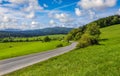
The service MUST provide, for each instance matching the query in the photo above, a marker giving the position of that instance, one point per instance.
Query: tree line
(45, 39)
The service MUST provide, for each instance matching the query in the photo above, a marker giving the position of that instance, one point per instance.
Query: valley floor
(15, 49)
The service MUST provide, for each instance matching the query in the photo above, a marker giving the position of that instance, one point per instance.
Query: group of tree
(107, 21)
(90, 36)
(12, 39)
(89, 33)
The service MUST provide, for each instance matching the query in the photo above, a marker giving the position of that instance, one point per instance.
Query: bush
(86, 40)
(46, 39)
(59, 45)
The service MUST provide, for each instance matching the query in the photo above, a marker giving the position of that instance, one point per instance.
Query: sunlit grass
(14, 49)
(98, 60)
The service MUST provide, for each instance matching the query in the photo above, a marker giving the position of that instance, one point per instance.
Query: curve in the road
(13, 64)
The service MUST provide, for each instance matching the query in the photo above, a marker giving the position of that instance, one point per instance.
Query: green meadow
(97, 60)
(14, 49)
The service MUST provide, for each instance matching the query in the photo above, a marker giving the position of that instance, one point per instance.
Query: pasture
(14, 49)
(97, 60)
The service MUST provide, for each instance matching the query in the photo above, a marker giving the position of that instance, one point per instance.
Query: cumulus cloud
(52, 22)
(62, 17)
(14, 13)
(6, 19)
(78, 12)
(92, 14)
(118, 11)
(31, 15)
(88, 4)
(17, 1)
(34, 23)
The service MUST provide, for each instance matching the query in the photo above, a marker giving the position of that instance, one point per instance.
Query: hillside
(77, 33)
(107, 21)
(31, 33)
(97, 60)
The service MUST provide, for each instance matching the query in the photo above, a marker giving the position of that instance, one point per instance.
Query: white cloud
(34, 23)
(10, 17)
(52, 22)
(92, 14)
(118, 11)
(45, 5)
(78, 12)
(18, 1)
(88, 4)
(6, 19)
(31, 15)
(63, 18)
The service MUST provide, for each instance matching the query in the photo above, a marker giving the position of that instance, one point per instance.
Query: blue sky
(37, 14)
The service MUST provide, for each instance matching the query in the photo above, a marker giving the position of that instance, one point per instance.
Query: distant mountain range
(31, 33)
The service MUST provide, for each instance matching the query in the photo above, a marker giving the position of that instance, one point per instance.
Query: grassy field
(98, 60)
(13, 49)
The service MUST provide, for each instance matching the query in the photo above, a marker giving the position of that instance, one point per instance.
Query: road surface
(13, 64)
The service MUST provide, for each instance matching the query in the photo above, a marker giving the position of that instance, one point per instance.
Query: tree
(27, 40)
(68, 37)
(85, 41)
(93, 30)
(46, 39)
(75, 34)
(90, 37)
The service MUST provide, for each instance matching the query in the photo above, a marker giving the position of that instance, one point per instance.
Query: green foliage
(90, 37)
(68, 37)
(46, 39)
(15, 49)
(93, 30)
(85, 41)
(108, 21)
(75, 34)
(59, 45)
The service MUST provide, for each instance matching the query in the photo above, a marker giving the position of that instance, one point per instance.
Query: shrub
(46, 39)
(85, 41)
(59, 45)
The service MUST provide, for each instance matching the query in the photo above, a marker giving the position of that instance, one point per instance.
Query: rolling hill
(97, 60)
(31, 33)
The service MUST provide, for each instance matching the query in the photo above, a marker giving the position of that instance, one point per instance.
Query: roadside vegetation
(97, 60)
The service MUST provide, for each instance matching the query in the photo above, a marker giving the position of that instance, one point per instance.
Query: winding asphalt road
(13, 64)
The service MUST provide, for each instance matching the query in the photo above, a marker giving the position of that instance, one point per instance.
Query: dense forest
(31, 33)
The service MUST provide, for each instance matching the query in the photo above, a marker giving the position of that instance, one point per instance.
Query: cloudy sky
(37, 14)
